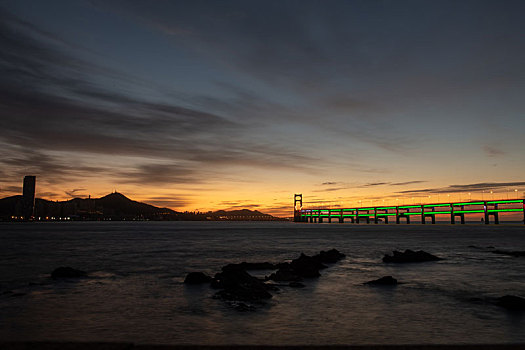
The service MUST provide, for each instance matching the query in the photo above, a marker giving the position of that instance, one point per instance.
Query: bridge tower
(297, 206)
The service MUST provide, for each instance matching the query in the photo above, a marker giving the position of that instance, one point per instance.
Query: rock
(307, 266)
(197, 278)
(239, 285)
(242, 307)
(383, 281)
(285, 273)
(67, 272)
(409, 256)
(254, 266)
(515, 253)
(330, 257)
(250, 266)
(296, 285)
(511, 302)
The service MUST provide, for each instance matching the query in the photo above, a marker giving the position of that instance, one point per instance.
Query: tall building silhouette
(28, 200)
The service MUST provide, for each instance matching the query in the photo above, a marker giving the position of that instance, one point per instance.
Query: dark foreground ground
(126, 346)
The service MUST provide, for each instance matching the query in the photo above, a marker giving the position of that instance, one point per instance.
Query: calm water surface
(136, 294)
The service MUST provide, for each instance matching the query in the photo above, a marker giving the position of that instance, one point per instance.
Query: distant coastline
(116, 207)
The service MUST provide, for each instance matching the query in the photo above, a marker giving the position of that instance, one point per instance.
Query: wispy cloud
(407, 183)
(484, 186)
(492, 151)
(51, 103)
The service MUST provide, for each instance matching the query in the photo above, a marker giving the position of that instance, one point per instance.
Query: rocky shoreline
(236, 285)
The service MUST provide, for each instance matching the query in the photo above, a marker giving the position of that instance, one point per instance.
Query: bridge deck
(404, 212)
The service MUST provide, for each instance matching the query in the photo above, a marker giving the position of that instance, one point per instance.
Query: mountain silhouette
(116, 206)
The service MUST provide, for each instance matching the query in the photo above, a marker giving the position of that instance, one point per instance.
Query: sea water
(135, 292)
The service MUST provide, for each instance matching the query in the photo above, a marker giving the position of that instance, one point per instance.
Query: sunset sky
(240, 104)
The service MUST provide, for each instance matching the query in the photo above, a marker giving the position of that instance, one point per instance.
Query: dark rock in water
(285, 273)
(197, 278)
(250, 266)
(307, 266)
(330, 257)
(242, 307)
(409, 256)
(238, 285)
(296, 285)
(511, 302)
(67, 272)
(516, 253)
(383, 281)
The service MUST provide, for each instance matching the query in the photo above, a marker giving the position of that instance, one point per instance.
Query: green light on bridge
(468, 211)
(503, 202)
(386, 214)
(386, 208)
(437, 212)
(436, 205)
(470, 203)
(409, 206)
(503, 210)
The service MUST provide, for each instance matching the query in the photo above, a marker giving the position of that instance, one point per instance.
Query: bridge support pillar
(386, 219)
(341, 220)
(320, 220)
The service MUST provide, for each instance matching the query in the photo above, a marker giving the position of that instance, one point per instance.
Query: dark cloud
(11, 189)
(74, 193)
(373, 184)
(484, 186)
(26, 161)
(169, 202)
(49, 102)
(492, 151)
(330, 189)
(406, 183)
(328, 183)
(160, 174)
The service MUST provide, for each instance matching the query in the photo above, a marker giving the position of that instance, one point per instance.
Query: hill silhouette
(115, 206)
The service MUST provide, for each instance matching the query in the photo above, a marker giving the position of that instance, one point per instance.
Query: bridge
(456, 211)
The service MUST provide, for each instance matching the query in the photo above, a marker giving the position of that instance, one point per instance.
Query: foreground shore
(130, 346)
